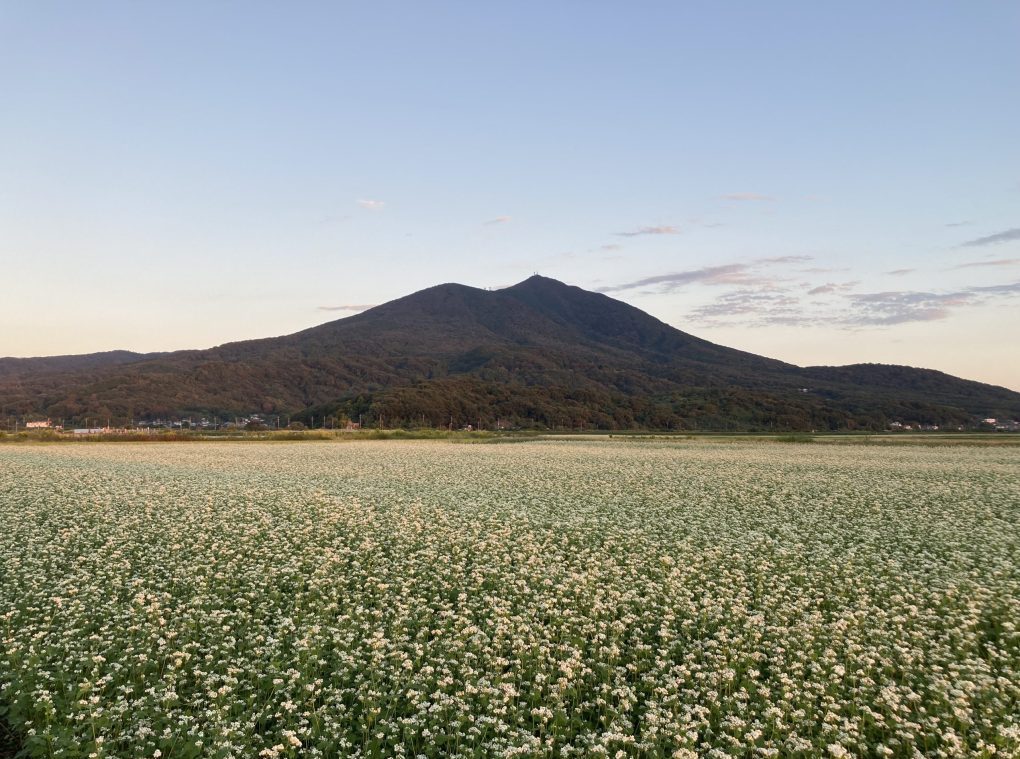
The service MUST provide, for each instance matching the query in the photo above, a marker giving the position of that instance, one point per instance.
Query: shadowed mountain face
(540, 353)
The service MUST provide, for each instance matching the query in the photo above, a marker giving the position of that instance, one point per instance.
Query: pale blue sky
(185, 174)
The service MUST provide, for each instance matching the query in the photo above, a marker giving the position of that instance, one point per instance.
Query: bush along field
(543, 599)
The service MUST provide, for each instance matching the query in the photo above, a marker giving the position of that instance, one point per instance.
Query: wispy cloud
(889, 308)
(349, 307)
(832, 287)
(902, 307)
(959, 224)
(372, 205)
(823, 269)
(610, 246)
(1013, 288)
(996, 262)
(726, 274)
(661, 230)
(747, 196)
(747, 302)
(765, 292)
(761, 305)
(497, 220)
(1008, 235)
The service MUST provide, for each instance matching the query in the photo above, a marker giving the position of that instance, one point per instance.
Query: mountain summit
(539, 354)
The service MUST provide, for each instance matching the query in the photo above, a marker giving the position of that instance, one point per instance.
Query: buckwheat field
(543, 599)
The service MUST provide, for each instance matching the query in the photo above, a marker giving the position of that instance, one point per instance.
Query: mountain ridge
(538, 353)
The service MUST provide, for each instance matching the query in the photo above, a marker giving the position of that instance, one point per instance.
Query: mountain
(537, 354)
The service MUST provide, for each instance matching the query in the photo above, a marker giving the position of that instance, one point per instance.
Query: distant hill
(537, 354)
(25, 367)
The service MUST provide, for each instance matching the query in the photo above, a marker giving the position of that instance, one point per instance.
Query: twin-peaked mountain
(540, 353)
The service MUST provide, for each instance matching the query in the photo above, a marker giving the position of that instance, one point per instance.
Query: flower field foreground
(603, 598)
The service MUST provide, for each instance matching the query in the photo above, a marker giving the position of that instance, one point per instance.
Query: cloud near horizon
(996, 262)
(823, 269)
(889, 308)
(497, 220)
(372, 205)
(1008, 235)
(667, 229)
(763, 292)
(725, 274)
(780, 307)
(832, 287)
(1013, 288)
(349, 307)
(752, 308)
(785, 260)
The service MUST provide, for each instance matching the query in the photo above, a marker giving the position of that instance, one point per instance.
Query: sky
(821, 183)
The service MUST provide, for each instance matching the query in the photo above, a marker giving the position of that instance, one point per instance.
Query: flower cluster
(543, 599)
